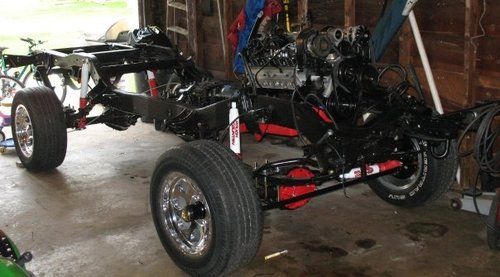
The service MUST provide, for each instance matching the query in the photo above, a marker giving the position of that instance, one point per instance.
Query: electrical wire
(481, 26)
(488, 161)
(486, 138)
(395, 68)
(320, 103)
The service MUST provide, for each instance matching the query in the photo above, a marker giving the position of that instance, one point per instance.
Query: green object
(17, 254)
(11, 260)
(8, 268)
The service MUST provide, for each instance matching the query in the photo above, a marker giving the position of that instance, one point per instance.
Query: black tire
(424, 180)
(47, 128)
(9, 86)
(493, 224)
(2, 136)
(232, 202)
(62, 88)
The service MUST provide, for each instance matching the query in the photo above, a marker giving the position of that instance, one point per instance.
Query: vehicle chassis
(107, 63)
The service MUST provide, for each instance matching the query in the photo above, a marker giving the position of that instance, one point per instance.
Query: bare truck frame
(318, 85)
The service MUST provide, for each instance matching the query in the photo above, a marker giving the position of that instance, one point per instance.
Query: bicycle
(8, 85)
(28, 75)
(12, 82)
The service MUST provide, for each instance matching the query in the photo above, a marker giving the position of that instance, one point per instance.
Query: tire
(422, 180)
(2, 136)
(60, 88)
(227, 190)
(493, 224)
(9, 86)
(43, 145)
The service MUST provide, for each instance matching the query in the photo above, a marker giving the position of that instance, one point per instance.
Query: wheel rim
(186, 215)
(408, 175)
(24, 131)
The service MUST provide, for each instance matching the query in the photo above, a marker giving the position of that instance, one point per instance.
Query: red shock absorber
(82, 122)
(287, 192)
(372, 169)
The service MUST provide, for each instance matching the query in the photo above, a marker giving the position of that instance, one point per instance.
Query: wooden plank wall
(466, 71)
(463, 75)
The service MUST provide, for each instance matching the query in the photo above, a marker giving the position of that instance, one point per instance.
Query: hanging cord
(481, 26)
(486, 137)
(323, 107)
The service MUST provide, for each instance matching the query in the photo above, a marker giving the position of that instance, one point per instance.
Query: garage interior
(91, 216)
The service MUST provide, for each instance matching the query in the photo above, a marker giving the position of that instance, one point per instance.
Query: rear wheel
(39, 128)
(9, 86)
(422, 179)
(205, 209)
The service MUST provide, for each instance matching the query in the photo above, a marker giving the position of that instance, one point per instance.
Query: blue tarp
(384, 33)
(388, 27)
(252, 11)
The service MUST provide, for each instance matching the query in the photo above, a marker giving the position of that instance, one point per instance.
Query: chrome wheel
(24, 131)
(410, 174)
(186, 214)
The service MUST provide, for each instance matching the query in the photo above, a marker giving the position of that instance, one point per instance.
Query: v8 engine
(333, 62)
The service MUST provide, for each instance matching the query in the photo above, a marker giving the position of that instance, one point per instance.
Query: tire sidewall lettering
(422, 177)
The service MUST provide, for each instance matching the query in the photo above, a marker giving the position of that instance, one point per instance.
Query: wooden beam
(193, 25)
(470, 51)
(142, 13)
(405, 45)
(468, 167)
(302, 8)
(349, 13)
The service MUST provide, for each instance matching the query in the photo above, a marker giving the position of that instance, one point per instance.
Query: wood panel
(463, 75)
(349, 13)
(327, 12)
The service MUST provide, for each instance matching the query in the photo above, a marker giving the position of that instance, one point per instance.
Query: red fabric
(271, 8)
(234, 30)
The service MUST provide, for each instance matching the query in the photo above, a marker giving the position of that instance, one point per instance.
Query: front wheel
(205, 209)
(39, 128)
(56, 80)
(423, 178)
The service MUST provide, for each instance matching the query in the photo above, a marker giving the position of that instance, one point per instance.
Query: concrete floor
(91, 217)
